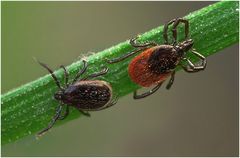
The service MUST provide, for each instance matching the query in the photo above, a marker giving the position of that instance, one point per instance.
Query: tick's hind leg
(137, 96)
(103, 72)
(169, 85)
(134, 43)
(125, 56)
(54, 119)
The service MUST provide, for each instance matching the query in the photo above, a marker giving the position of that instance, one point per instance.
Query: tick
(157, 62)
(83, 94)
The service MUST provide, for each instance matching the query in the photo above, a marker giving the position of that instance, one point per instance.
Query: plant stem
(29, 108)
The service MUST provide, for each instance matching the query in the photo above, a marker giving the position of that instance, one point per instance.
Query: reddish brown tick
(156, 62)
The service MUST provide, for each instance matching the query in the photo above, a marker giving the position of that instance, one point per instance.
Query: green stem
(29, 108)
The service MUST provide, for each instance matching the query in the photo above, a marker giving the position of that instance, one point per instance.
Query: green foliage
(29, 108)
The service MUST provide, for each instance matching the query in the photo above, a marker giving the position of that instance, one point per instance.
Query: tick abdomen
(141, 70)
(88, 95)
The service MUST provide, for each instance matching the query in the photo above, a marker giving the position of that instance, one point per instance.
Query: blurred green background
(197, 117)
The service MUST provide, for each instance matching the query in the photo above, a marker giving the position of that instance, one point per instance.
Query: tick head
(187, 45)
(183, 47)
(59, 95)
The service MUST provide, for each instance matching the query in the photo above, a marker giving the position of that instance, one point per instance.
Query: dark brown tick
(84, 94)
(156, 62)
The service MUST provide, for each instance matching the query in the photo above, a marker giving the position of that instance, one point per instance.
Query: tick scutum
(163, 59)
(88, 95)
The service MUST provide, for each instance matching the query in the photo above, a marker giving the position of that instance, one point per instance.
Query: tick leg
(174, 29)
(81, 71)
(66, 75)
(51, 72)
(134, 43)
(141, 47)
(85, 113)
(125, 56)
(103, 72)
(175, 23)
(136, 96)
(165, 30)
(169, 85)
(204, 60)
(65, 114)
(54, 119)
(191, 67)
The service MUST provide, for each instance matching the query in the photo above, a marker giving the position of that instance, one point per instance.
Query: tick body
(156, 63)
(143, 70)
(84, 94)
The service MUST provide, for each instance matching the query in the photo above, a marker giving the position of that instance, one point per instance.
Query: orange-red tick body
(141, 68)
